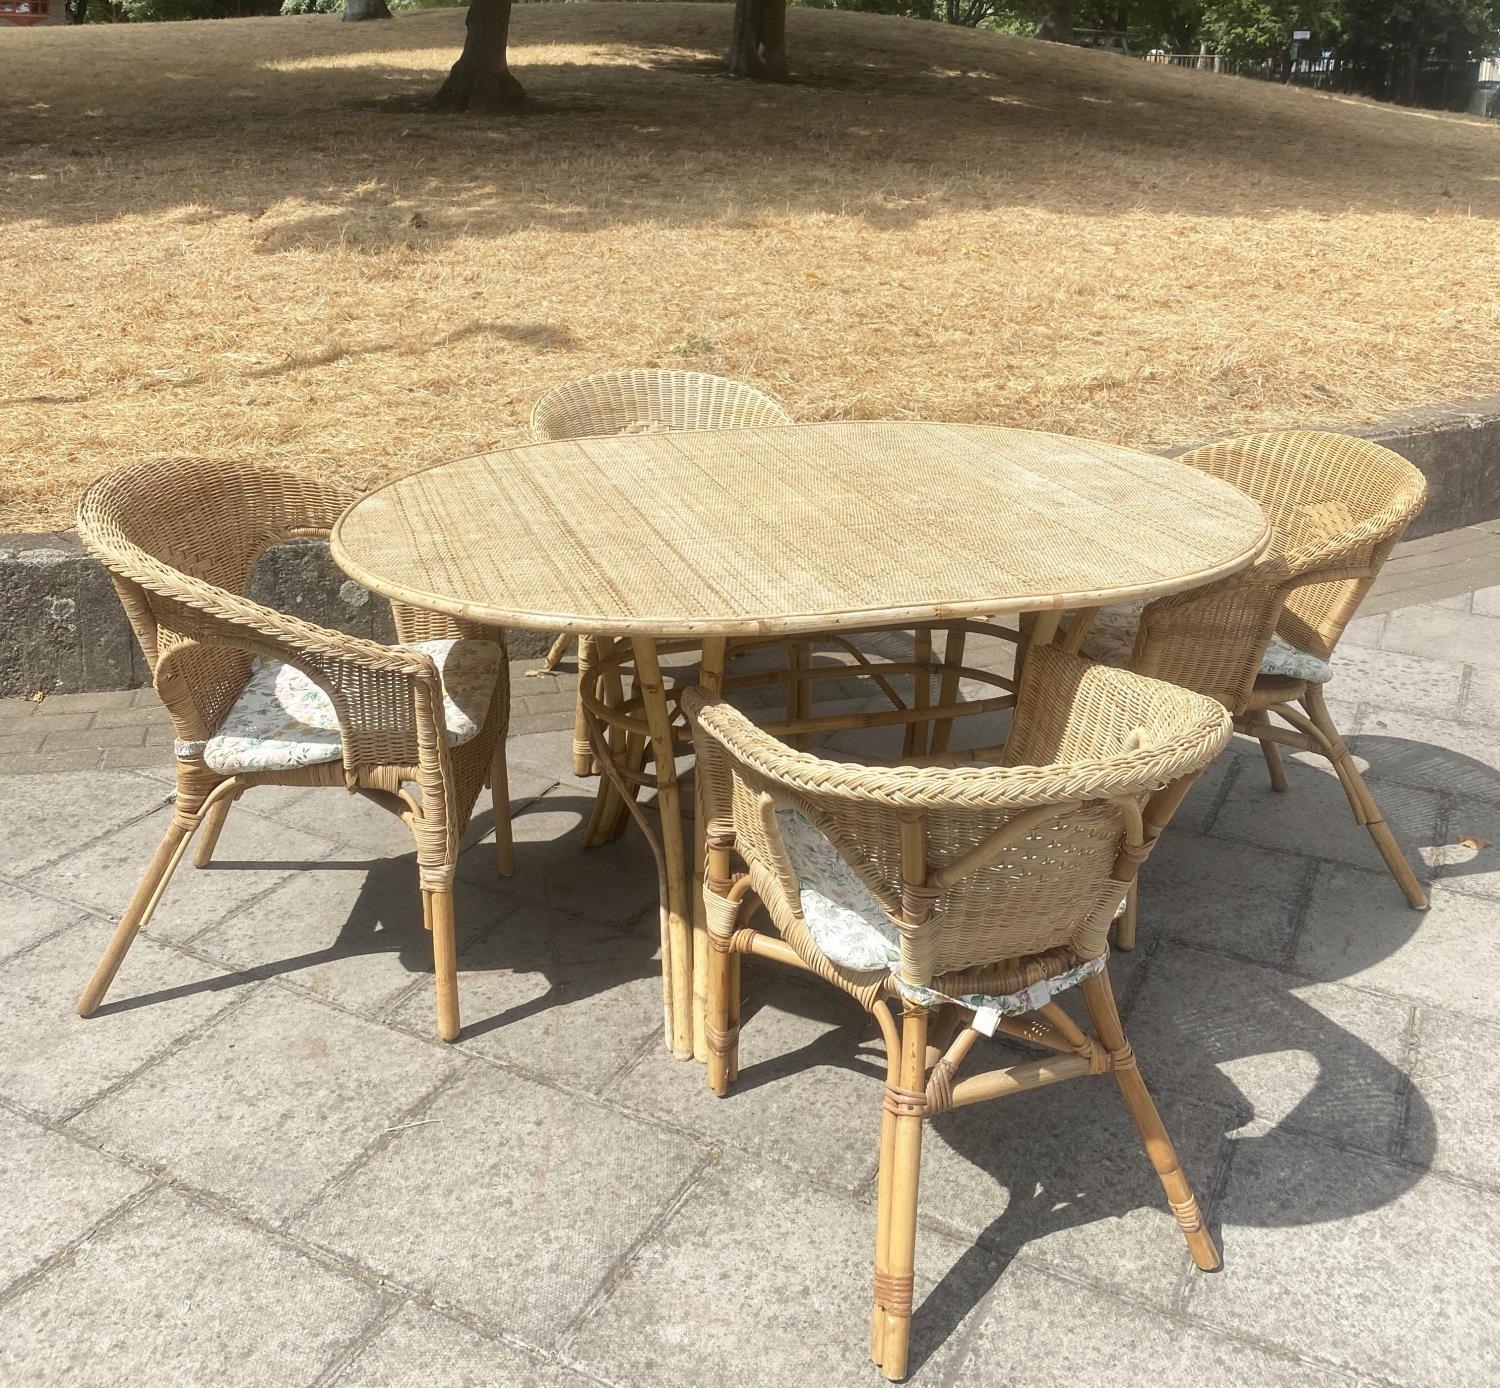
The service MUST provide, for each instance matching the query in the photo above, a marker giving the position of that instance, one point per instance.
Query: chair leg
(557, 650)
(208, 834)
(505, 849)
(147, 893)
(437, 908)
(1271, 752)
(893, 1289)
(1363, 802)
(723, 1039)
(1100, 999)
(1125, 926)
(583, 754)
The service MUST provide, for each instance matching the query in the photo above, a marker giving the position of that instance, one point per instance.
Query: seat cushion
(282, 720)
(1111, 638)
(850, 926)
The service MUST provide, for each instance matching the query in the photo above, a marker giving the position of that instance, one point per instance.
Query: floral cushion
(282, 720)
(851, 927)
(1111, 637)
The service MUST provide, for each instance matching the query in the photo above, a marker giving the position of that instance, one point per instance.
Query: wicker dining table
(783, 531)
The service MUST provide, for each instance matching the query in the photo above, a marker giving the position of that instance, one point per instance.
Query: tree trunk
(480, 80)
(365, 9)
(1057, 23)
(757, 47)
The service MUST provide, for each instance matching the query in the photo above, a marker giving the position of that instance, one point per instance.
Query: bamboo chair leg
(893, 1292)
(1125, 926)
(437, 908)
(723, 1045)
(505, 846)
(1365, 808)
(1100, 999)
(147, 893)
(735, 1015)
(208, 833)
(1272, 753)
(953, 657)
(558, 650)
(583, 754)
(882, 1231)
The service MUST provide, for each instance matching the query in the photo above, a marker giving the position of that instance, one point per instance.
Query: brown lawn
(247, 238)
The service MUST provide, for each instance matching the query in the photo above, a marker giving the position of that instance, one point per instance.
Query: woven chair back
(1337, 505)
(180, 538)
(648, 401)
(976, 864)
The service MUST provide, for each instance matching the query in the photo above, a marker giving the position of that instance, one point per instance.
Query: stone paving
(257, 1166)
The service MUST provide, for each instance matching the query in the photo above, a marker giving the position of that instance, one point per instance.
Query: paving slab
(348, 930)
(26, 917)
(56, 1190)
(560, 996)
(1361, 931)
(1482, 697)
(1462, 758)
(812, 1074)
(1221, 895)
(54, 1061)
(1058, 1176)
(1367, 674)
(52, 816)
(515, 1200)
(1037, 1331)
(760, 1278)
(1313, 816)
(1469, 858)
(613, 882)
(178, 1295)
(1454, 1076)
(420, 1346)
(1436, 633)
(1404, 1309)
(1319, 1058)
(265, 1107)
(253, 855)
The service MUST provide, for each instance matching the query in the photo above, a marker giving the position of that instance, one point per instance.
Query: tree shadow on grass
(976, 125)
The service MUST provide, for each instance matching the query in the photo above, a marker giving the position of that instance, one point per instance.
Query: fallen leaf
(1473, 841)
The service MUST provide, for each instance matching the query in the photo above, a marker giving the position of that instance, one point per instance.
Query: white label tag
(986, 1020)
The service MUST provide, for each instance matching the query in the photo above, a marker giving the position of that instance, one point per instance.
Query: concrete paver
(555, 1201)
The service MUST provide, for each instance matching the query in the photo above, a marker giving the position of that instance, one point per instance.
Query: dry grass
(245, 238)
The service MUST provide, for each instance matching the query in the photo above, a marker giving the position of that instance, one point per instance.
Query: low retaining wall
(62, 630)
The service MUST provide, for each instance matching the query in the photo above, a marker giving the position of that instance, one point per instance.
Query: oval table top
(794, 528)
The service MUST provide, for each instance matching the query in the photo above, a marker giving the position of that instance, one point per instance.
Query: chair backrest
(977, 864)
(180, 537)
(1337, 505)
(632, 402)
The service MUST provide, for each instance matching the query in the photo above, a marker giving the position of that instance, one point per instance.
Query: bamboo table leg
(676, 879)
(711, 677)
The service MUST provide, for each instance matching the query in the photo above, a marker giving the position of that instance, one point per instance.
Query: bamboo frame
(555, 553)
(924, 840)
(199, 634)
(1337, 507)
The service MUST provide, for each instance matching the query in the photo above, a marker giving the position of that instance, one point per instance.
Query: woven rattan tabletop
(802, 527)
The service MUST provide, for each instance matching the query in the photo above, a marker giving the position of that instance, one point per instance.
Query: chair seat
(851, 927)
(1111, 638)
(282, 720)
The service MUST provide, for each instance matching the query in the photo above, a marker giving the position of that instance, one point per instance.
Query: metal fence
(1441, 84)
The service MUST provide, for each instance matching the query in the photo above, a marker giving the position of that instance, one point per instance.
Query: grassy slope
(246, 238)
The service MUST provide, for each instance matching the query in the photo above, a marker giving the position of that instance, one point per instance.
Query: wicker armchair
(644, 401)
(980, 890)
(650, 401)
(258, 697)
(1261, 642)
